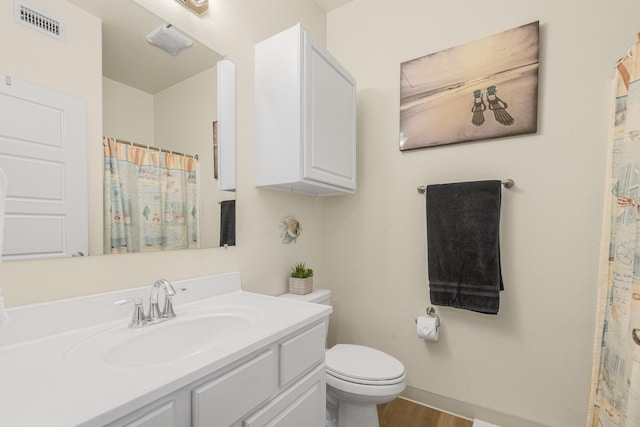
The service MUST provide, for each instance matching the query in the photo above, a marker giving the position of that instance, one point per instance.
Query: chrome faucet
(167, 312)
(139, 318)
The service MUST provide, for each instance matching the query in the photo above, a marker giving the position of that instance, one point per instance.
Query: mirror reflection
(159, 115)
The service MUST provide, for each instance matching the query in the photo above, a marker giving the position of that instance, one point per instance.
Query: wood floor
(403, 413)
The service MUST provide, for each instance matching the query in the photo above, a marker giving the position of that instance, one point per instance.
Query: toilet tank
(317, 296)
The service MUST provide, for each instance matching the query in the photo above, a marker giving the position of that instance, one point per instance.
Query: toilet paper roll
(427, 327)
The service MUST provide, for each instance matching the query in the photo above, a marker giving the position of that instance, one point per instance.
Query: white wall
(530, 365)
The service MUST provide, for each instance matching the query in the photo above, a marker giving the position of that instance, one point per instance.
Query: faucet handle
(138, 318)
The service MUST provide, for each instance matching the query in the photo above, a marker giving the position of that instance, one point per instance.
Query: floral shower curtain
(615, 398)
(150, 199)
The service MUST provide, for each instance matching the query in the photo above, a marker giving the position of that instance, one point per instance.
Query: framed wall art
(480, 90)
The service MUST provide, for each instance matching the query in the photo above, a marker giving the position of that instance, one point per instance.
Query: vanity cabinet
(305, 117)
(279, 385)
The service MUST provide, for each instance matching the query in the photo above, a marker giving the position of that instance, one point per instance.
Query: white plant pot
(300, 286)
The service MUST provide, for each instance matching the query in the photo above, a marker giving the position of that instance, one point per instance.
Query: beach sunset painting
(483, 89)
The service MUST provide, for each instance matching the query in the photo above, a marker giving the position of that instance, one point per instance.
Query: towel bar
(507, 183)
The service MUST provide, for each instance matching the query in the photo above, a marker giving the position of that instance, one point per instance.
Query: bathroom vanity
(229, 358)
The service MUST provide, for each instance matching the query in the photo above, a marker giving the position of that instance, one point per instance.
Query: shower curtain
(150, 199)
(615, 394)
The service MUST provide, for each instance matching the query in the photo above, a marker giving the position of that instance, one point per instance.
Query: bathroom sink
(172, 340)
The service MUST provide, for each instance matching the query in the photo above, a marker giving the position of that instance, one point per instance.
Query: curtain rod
(507, 183)
(150, 147)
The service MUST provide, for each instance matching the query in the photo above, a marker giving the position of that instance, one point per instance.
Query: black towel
(463, 245)
(228, 223)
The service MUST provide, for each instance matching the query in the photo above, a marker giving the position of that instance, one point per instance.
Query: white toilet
(358, 377)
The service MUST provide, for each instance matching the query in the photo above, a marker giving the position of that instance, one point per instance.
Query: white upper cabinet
(226, 125)
(305, 117)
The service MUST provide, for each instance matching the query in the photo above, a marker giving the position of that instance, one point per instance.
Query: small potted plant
(301, 280)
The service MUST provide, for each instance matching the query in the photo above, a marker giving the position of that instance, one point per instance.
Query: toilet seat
(355, 392)
(365, 382)
(363, 365)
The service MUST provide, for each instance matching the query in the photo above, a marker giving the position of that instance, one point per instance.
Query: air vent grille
(37, 20)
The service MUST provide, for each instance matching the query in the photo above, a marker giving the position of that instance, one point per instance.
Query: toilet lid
(361, 363)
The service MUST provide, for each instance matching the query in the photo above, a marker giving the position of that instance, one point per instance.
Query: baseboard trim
(465, 410)
(434, 408)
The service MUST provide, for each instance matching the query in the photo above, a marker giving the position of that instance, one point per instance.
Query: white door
(43, 154)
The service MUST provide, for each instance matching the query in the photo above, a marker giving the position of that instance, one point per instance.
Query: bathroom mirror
(143, 102)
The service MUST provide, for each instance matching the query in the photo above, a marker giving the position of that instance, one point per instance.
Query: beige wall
(532, 362)
(127, 113)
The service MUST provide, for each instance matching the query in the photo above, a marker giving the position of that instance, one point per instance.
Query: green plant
(300, 271)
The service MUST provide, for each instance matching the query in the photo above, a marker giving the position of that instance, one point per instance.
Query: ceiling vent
(32, 18)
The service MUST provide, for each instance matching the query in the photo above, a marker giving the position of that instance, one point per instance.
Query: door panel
(43, 154)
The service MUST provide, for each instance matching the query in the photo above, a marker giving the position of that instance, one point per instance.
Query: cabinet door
(330, 118)
(303, 404)
(301, 353)
(223, 401)
(226, 125)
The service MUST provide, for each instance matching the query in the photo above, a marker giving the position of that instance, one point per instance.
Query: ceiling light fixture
(198, 7)
(168, 38)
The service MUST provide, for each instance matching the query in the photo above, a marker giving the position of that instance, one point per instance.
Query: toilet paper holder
(432, 312)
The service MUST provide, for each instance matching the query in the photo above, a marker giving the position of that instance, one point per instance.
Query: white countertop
(41, 386)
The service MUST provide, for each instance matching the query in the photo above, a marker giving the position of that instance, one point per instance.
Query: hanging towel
(4, 317)
(463, 245)
(228, 223)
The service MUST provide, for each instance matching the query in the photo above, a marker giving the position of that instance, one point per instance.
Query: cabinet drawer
(163, 416)
(226, 399)
(301, 405)
(301, 353)
(170, 411)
